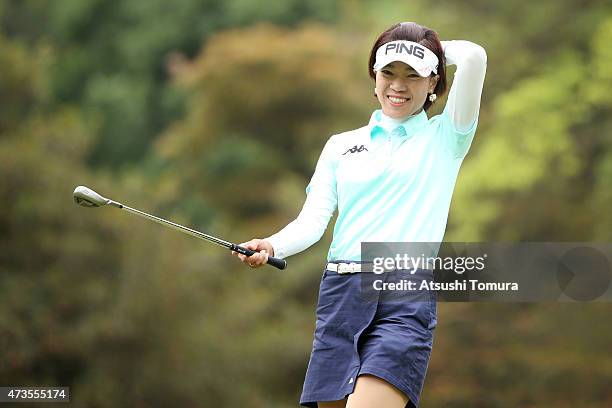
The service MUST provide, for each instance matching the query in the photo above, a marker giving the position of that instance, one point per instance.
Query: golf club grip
(275, 262)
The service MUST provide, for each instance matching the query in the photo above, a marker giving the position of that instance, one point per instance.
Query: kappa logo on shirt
(356, 149)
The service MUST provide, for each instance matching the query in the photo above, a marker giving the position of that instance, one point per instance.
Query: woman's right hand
(262, 249)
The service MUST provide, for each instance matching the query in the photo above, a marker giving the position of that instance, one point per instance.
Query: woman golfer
(391, 181)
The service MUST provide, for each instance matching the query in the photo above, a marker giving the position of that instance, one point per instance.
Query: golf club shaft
(276, 262)
(176, 226)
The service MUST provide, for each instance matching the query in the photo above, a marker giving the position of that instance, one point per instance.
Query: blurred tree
(111, 56)
(125, 314)
(43, 244)
(258, 106)
(542, 162)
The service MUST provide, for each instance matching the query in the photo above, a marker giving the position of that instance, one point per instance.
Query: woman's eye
(386, 72)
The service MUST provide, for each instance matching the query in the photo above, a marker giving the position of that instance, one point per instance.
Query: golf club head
(88, 198)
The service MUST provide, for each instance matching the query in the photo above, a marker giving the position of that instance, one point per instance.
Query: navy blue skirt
(364, 327)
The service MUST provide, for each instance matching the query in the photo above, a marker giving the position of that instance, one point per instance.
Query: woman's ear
(433, 81)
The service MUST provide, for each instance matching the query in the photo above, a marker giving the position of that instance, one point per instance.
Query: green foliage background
(213, 113)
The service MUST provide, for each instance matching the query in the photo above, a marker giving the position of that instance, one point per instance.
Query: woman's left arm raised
(463, 101)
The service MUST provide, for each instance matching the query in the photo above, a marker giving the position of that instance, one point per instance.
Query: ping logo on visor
(400, 47)
(422, 59)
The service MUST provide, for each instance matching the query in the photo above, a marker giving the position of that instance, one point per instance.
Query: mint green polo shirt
(391, 185)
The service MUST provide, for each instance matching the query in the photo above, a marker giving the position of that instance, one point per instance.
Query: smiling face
(401, 91)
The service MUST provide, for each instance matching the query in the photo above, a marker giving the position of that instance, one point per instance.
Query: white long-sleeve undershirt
(463, 102)
(462, 106)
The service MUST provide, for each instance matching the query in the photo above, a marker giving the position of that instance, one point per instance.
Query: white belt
(350, 267)
(343, 267)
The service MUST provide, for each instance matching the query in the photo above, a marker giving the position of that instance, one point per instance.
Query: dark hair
(419, 34)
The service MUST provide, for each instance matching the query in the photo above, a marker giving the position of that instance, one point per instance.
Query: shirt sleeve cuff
(279, 251)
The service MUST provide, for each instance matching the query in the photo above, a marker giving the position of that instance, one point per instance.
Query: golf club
(88, 198)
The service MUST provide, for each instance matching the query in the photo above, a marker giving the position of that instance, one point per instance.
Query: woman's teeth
(397, 100)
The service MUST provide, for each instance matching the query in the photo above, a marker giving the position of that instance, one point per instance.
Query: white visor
(422, 59)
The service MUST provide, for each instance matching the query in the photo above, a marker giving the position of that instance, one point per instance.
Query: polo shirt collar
(406, 128)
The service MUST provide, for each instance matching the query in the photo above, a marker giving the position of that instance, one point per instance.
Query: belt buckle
(344, 268)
